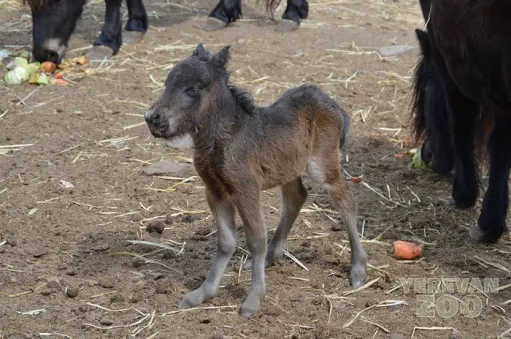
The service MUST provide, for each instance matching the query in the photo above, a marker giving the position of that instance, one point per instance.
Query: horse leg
(324, 168)
(492, 220)
(249, 209)
(292, 196)
(224, 215)
(110, 40)
(137, 22)
(463, 125)
(225, 12)
(296, 10)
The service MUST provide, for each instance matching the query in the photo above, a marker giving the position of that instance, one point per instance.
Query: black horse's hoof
(214, 24)
(99, 53)
(287, 25)
(477, 235)
(132, 37)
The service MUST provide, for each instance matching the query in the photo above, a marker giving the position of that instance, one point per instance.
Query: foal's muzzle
(157, 124)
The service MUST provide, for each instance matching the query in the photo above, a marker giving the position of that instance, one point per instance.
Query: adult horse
(465, 72)
(54, 21)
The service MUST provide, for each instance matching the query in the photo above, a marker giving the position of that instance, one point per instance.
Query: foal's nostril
(156, 118)
(152, 117)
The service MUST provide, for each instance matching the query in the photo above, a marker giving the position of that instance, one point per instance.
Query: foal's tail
(345, 128)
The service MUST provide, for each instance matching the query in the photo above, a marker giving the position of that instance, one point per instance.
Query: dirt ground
(56, 242)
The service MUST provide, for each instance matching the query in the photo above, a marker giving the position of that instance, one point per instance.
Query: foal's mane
(243, 98)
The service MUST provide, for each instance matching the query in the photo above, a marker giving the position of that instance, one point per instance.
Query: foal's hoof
(214, 24)
(249, 308)
(358, 276)
(99, 53)
(132, 37)
(286, 25)
(477, 235)
(192, 299)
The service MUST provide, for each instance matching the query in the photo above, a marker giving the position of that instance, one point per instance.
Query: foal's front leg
(110, 40)
(292, 197)
(224, 213)
(250, 212)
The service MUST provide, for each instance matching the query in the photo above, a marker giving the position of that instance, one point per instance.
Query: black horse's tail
(271, 5)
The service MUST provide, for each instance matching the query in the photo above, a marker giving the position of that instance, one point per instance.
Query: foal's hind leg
(224, 214)
(492, 220)
(292, 197)
(326, 171)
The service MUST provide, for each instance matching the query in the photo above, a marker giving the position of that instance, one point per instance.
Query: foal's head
(192, 90)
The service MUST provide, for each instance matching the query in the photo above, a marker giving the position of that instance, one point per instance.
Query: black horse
(54, 21)
(462, 102)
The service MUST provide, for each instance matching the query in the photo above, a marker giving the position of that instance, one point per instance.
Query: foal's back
(281, 140)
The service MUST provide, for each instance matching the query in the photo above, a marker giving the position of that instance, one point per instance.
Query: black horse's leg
(137, 22)
(296, 10)
(463, 114)
(225, 12)
(110, 40)
(492, 220)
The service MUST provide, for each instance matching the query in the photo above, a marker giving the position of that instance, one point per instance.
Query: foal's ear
(201, 52)
(221, 58)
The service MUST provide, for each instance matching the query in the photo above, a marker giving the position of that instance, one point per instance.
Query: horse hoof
(286, 25)
(132, 37)
(99, 53)
(214, 24)
(477, 235)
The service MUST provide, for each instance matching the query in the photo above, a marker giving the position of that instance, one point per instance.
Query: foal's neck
(217, 126)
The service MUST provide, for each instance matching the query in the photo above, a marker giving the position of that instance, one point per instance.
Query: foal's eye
(192, 91)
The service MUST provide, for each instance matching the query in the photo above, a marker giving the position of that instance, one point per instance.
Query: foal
(240, 150)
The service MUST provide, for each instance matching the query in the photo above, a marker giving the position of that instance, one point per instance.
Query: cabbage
(417, 161)
(16, 76)
(43, 79)
(20, 62)
(33, 67)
